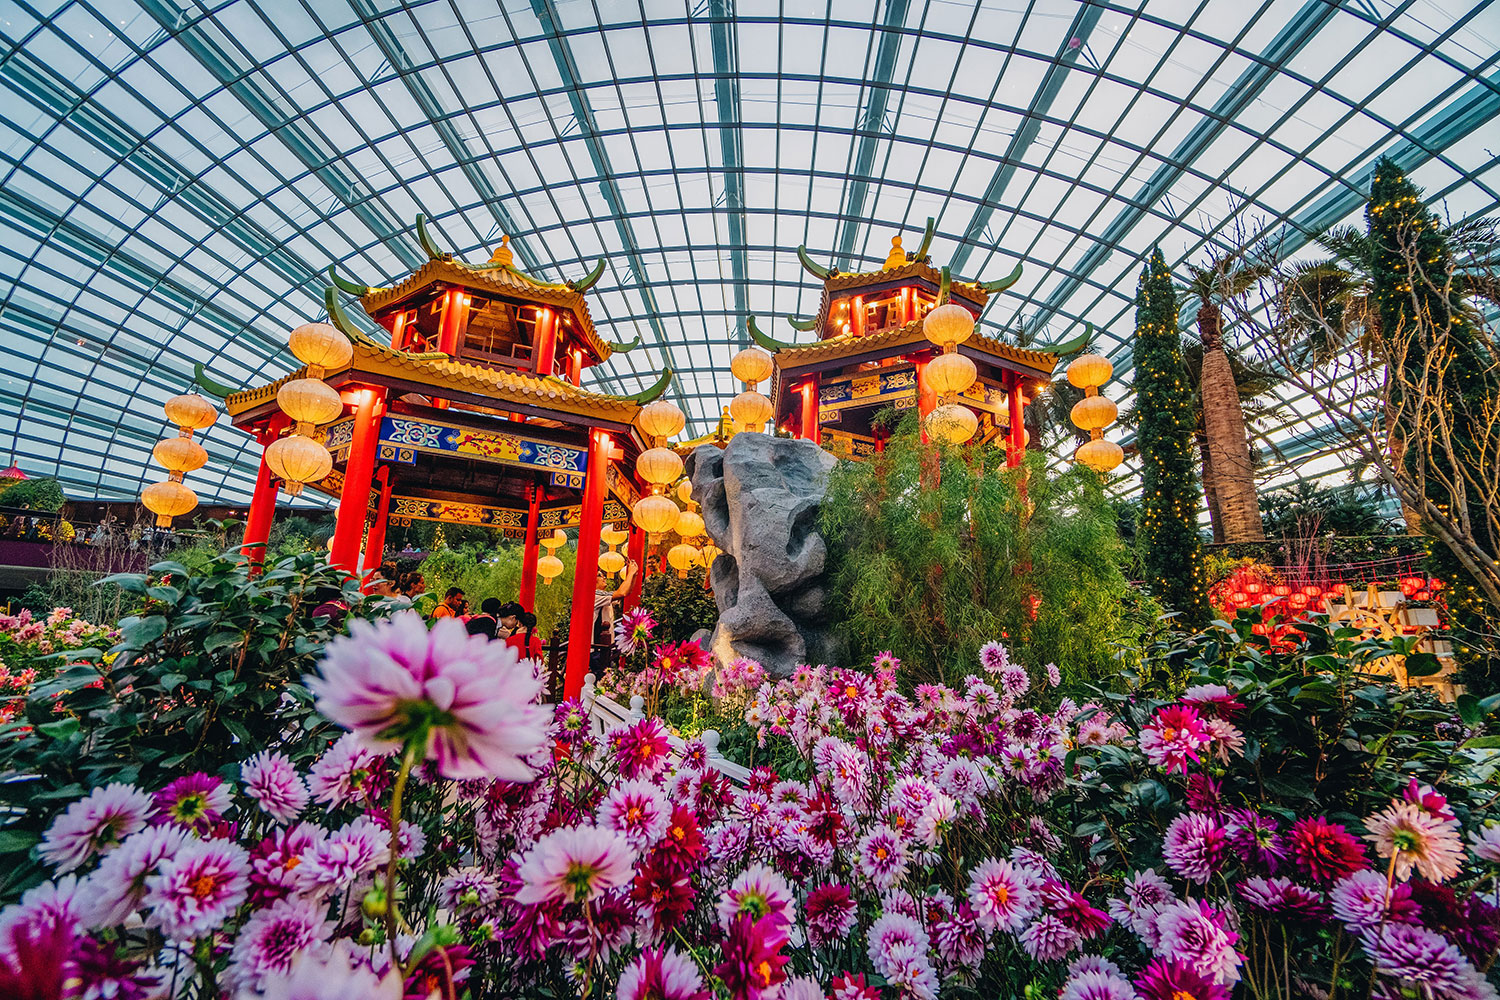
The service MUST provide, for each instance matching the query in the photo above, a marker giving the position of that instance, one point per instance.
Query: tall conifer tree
(1171, 551)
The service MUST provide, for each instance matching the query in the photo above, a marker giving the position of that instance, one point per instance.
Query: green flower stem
(408, 760)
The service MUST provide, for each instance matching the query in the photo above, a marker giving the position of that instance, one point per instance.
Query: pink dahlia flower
(335, 862)
(641, 749)
(633, 630)
(1423, 958)
(1048, 938)
(758, 891)
(1283, 897)
(661, 974)
(1197, 935)
(1002, 899)
(1174, 737)
(272, 938)
(1144, 893)
(851, 987)
(197, 888)
(51, 904)
(831, 913)
(196, 801)
(1485, 842)
(95, 823)
(1325, 851)
(1416, 838)
(117, 888)
(637, 810)
(882, 856)
(1097, 985)
(272, 781)
(338, 973)
(1363, 900)
(574, 864)
(396, 680)
(1195, 846)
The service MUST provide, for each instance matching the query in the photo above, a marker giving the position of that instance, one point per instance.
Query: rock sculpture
(761, 498)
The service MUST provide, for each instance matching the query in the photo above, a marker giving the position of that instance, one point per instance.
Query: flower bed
(29, 649)
(1244, 820)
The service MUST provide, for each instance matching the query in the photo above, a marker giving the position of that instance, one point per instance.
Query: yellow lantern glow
(179, 454)
(661, 419)
(750, 410)
(320, 346)
(297, 460)
(613, 536)
(708, 553)
(952, 422)
(549, 568)
(689, 524)
(611, 562)
(752, 365)
(168, 500)
(948, 324)
(1099, 455)
(310, 401)
(682, 557)
(1094, 412)
(1089, 371)
(555, 540)
(655, 514)
(190, 411)
(659, 466)
(685, 491)
(950, 373)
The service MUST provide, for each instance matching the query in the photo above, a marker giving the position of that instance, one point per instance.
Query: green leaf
(60, 730)
(142, 631)
(169, 567)
(219, 640)
(1422, 665)
(18, 841)
(1482, 743)
(1469, 710)
(170, 681)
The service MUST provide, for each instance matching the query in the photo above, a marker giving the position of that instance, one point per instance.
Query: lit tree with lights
(1167, 533)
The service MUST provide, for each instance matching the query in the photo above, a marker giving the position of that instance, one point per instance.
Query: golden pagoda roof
(850, 346)
(835, 284)
(441, 372)
(498, 277)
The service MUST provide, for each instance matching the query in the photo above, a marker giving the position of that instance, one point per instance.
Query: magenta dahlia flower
(661, 974)
(633, 630)
(1197, 935)
(272, 782)
(1174, 737)
(851, 987)
(1001, 898)
(197, 888)
(468, 701)
(1283, 897)
(1324, 851)
(831, 913)
(1195, 846)
(270, 940)
(51, 904)
(196, 801)
(95, 823)
(637, 810)
(574, 864)
(335, 862)
(753, 960)
(758, 891)
(641, 749)
(1168, 980)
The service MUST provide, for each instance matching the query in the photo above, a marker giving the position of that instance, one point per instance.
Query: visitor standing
(604, 615)
(454, 604)
(519, 627)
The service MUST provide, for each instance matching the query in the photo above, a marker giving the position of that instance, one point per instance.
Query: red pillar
(527, 596)
(354, 500)
(544, 351)
(375, 543)
(586, 570)
(635, 549)
(398, 331)
(926, 397)
(1017, 449)
(258, 521)
(575, 366)
(857, 324)
(810, 431)
(454, 320)
(908, 306)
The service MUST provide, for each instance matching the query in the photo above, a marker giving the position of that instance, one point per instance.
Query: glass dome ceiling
(178, 176)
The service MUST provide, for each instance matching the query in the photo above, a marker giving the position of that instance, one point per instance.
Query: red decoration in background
(1281, 604)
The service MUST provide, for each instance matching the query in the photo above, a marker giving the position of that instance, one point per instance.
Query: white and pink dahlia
(1197, 935)
(662, 974)
(394, 680)
(51, 904)
(882, 856)
(574, 864)
(1485, 842)
(1002, 899)
(338, 973)
(197, 888)
(758, 891)
(273, 938)
(637, 810)
(272, 782)
(335, 862)
(95, 823)
(117, 888)
(1414, 838)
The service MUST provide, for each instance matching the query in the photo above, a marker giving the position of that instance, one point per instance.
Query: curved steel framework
(178, 175)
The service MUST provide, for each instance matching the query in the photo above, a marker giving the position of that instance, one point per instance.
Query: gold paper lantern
(1089, 371)
(682, 557)
(310, 401)
(549, 568)
(1099, 454)
(689, 524)
(320, 346)
(1094, 412)
(611, 562)
(708, 553)
(659, 466)
(752, 365)
(952, 422)
(948, 324)
(190, 411)
(179, 454)
(750, 410)
(297, 460)
(555, 540)
(613, 536)
(685, 491)
(168, 500)
(655, 514)
(661, 419)
(950, 373)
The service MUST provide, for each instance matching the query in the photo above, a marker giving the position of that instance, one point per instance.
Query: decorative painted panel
(492, 446)
(511, 520)
(883, 385)
(846, 444)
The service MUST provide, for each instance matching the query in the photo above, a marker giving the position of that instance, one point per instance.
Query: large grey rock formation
(761, 498)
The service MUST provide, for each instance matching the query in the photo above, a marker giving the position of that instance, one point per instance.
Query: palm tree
(1228, 473)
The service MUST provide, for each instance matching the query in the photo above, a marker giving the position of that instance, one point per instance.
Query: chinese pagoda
(872, 354)
(472, 414)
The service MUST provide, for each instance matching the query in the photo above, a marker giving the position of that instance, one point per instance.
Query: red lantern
(1240, 597)
(1258, 628)
(1423, 595)
(1254, 588)
(1435, 585)
(1312, 591)
(1410, 585)
(1281, 590)
(1299, 601)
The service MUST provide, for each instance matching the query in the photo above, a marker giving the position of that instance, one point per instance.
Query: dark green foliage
(932, 556)
(1308, 508)
(1420, 306)
(680, 605)
(196, 682)
(1167, 532)
(43, 495)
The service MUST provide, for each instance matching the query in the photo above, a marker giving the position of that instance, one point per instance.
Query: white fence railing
(606, 715)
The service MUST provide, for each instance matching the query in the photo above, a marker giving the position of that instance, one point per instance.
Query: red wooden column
(857, 317)
(575, 366)
(375, 543)
(262, 510)
(635, 549)
(354, 500)
(926, 396)
(398, 331)
(544, 351)
(1017, 450)
(527, 596)
(810, 430)
(454, 320)
(586, 570)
